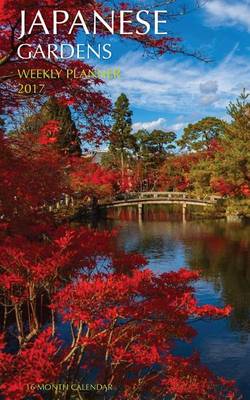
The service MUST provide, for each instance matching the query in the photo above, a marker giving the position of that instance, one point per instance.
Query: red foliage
(214, 147)
(225, 188)
(49, 131)
(122, 320)
(126, 324)
(221, 186)
(202, 383)
(91, 179)
(174, 173)
(37, 363)
(245, 190)
(31, 176)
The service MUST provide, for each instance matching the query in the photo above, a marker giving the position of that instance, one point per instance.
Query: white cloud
(209, 87)
(159, 123)
(224, 12)
(208, 99)
(185, 86)
(178, 126)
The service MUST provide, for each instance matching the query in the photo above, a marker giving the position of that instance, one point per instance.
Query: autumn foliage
(91, 179)
(74, 307)
(119, 318)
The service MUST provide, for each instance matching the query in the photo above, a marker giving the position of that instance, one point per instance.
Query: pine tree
(122, 141)
(153, 149)
(233, 163)
(198, 136)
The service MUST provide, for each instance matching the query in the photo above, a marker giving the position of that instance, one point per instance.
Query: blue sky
(174, 90)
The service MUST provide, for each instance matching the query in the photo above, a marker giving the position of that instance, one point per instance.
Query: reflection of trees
(153, 239)
(167, 212)
(145, 239)
(223, 254)
(220, 250)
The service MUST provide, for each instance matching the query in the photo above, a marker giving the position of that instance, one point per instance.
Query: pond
(221, 252)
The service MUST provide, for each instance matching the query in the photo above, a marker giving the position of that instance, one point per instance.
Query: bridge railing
(165, 195)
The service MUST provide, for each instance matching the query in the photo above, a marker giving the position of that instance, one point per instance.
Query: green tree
(155, 145)
(200, 176)
(122, 141)
(152, 150)
(225, 166)
(161, 142)
(236, 108)
(198, 136)
(68, 137)
(233, 163)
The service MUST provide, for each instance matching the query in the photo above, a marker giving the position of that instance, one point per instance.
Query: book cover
(124, 200)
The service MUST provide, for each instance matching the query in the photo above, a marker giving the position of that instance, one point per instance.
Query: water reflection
(222, 253)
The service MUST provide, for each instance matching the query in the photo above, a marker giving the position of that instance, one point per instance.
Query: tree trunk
(122, 167)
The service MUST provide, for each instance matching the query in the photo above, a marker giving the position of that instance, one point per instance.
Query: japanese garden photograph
(124, 200)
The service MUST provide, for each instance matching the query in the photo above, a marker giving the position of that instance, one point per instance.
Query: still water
(221, 251)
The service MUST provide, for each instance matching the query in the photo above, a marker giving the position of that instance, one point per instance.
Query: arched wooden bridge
(142, 198)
